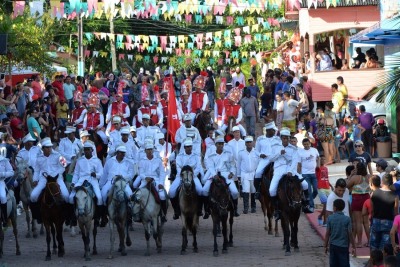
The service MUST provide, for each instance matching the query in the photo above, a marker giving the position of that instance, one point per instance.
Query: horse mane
(80, 188)
(186, 168)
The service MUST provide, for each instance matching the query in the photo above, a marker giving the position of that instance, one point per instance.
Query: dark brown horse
(188, 204)
(52, 211)
(221, 206)
(290, 195)
(265, 199)
(202, 122)
(101, 148)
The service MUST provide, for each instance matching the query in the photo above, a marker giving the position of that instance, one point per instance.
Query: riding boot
(253, 203)
(164, 211)
(200, 206)
(305, 201)
(245, 203)
(206, 202)
(235, 207)
(72, 215)
(239, 187)
(257, 184)
(4, 214)
(175, 206)
(97, 214)
(35, 209)
(103, 215)
(275, 202)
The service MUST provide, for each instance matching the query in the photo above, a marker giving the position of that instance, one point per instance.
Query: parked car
(377, 108)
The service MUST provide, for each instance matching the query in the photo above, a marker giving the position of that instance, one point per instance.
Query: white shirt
(51, 165)
(157, 111)
(112, 168)
(223, 163)
(332, 197)
(30, 155)
(152, 168)
(308, 159)
(238, 78)
(234, 147)
(264, 144)
(289, 106)
(143, 132)
(289, 159)
(69, 149)
(193, 160)
(83, 169)
(6, 169)
(247, 162)
(163, 151)
(300, 137)
(181, 135)
(81, 117)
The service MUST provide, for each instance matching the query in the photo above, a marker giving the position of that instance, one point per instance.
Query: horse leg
(224, 221)
(59, 229)
(87, 229)
(156, 234)
(28, 220)
(41, 229)
(94, 239)
(286, 234)
(112, 238)
(1, 241)
(53, 233)
(230, 243)
(48, 240)
(128, 240)
(276, 228)
(215, 226)
(184, 239)
(294, 240)
(147, 236)
(121, 233)
(15, 231)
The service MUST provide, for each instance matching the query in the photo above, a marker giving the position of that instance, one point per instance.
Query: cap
(132, 128)
(160, 136)
(84, 133)
(146, 116)
(285, 132)
(359, 142)
(248, 138)
(381, 162)
(89, 143)
(121, 148)
(219, 139)
(188, 142)
(116, 119)
(271, 125)
(28, 138)
(187, 117)
(125, 130)
(235, 128)
(46, 142)
(148, 146)
(69, 130)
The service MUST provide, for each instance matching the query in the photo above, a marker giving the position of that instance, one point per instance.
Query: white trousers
(261, 166)
(96, 189)
(247, 180)
(161, 192)
(278, 173)
(242, 130)
(3, 194)
(232, 187)
(107, 187)
(42, 184)
(176, 183)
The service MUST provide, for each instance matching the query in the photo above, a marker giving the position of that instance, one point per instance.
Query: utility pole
(81, 62)
(112, 44)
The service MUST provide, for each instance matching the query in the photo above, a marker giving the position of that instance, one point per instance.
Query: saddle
(154, 191)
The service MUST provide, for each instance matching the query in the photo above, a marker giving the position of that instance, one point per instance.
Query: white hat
(46, 142)
(146, 116)
(121, 148)
(89, 143)
(70, 129)
(132, 128)
(285, 132)
(248, 138)
(235, 128)
(28, 138)
(125, 130)
(187, 117)
(219, 139)
(116, 119)
(209, 68)
(84, 133)
(188, 142)
(148, 146)
(271, 125)
(160, 136)
(141, 70)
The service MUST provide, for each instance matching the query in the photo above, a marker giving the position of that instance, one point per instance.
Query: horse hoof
(129, 243)
(94, 252)
(183, 252)
(28, 235)
(224, 251)
(296, 250)
(18, 253)
(123, 253)
(215, 253)
(269, 232)
(288, 253)
(195, 250)
(230, 244)
(48, 258)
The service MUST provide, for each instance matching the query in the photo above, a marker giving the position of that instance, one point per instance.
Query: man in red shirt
(58, 85)
(198, 100)
(36, 86)
(16, 125)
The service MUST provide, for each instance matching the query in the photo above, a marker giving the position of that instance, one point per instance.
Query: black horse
(221, 206)
(266, 204)
(290, 195)
(202, 123)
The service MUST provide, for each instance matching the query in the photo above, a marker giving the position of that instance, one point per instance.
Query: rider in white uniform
(6, 171)
(221, 161)
(146, 131)
(187, 130)
(69, 146)
(30, 152)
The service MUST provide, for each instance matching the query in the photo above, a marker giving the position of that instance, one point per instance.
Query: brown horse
(290, 194)
(52, 211)
(265, 199)
(202, 123)
(221, 205)
(188, 200)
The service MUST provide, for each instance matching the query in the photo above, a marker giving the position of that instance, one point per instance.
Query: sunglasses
(358, 146)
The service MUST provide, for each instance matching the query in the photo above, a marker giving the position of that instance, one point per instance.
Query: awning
(386, 32)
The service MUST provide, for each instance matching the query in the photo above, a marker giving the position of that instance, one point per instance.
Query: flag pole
(170, 87)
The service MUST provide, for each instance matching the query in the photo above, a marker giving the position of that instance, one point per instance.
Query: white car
(377, 109)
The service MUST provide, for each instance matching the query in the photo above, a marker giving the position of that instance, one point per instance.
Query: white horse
(85, 210)
(11, 215)
(146, 210)
(24, 176)
(117, 213)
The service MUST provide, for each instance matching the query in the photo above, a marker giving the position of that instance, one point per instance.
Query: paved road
(252, 247)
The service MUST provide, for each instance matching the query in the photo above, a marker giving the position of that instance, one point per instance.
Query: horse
(228, 130)
(147, 210)
(85, 211)
(23, 175)
(52, 207)
(117, 213)
(221, 205)
(11, 215)
(290, 195)
(202, 123)
(188, 204)
(265, 199)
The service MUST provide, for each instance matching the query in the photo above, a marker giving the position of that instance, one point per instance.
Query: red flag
(173, 122)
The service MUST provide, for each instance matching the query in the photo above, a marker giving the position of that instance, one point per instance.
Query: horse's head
(220, 196)
(119, 189)
(22, 170)
(187, 178)
(52, 192)
(291, 191)
(82, 200)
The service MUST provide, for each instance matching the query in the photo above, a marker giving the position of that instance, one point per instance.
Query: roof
(342, 3)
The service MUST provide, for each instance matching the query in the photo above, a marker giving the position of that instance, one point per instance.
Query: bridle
(186, 182)
(289, 193)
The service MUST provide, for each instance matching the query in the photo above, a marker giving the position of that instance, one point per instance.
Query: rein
(292, 204)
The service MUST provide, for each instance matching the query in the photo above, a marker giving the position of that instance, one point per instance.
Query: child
(377, 258)
(338, 236)
(324, 189)
(62, 113)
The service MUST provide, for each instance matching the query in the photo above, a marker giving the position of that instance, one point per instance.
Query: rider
(88, 168)
(220, 161)
(131, 150)
(235, 145)
(286, 161)
(155, 113)
(117, 165)
(233, 109)
(187, 130)
(145, 130)
(247, 162)
(263, 147)
(6, 171)
(115, 134)
(30, 152)
(187, 157)
(198, 100)
(94, 119)
(78, 114)
(151, 170)
(117, 108)
(70, 146)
